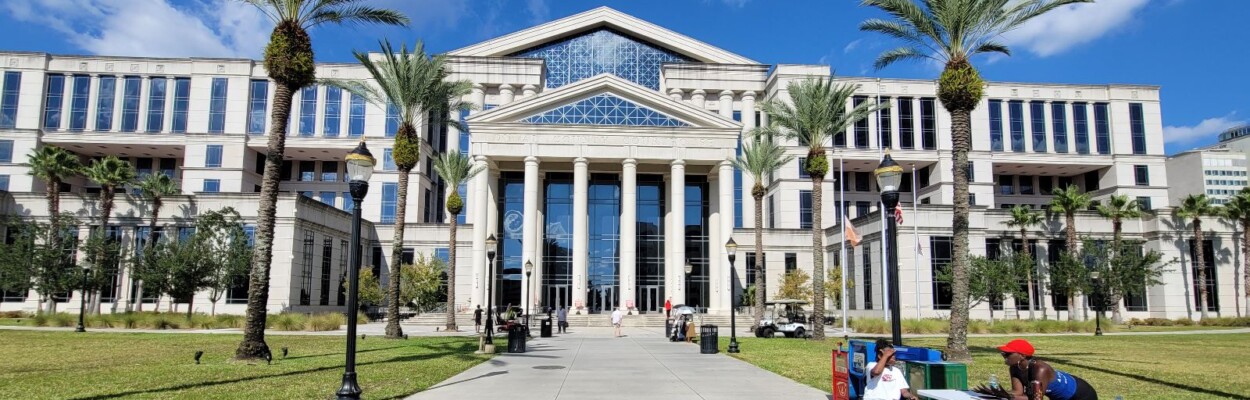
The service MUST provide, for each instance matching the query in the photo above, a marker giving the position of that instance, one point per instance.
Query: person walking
(562, 320)
(668, 308)
(616, 321)
(477, 319)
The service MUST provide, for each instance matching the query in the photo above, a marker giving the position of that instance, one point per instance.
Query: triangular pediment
(602, 17)
(605, 99)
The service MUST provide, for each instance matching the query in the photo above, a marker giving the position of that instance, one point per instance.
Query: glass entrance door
(602, 299)
(649, 299)
(557, 296)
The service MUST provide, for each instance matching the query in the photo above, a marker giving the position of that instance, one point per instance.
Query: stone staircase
(652, 320)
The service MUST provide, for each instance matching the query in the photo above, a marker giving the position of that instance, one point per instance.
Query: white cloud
(1073, 25)
(538, 10)
(851, 46)
(1208, 128)
(731, 3)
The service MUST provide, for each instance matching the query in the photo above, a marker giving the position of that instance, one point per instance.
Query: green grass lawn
(65, 365)
(1172, 367)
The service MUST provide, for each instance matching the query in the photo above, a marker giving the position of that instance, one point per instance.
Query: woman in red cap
(1030, 378)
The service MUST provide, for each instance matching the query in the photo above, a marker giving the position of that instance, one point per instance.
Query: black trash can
(709, 340)
(544, 330)
(516, 339)
(668, 329)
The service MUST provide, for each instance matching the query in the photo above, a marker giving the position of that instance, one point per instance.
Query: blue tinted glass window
(604, 209)
(602, 51)
(906, 123)
(441, 253)
(1059, 125)
(1137, 125)
(6, 151)
(212, 157)
(356, 118)
(1015, 112)
(604, 109)
(9, 97)
(52, 102)
(884, 135)
(334, 111)
(182, 102)
(805, 209)
(1080, 127)
(78, 102)
(861, 126)
(130, 104)
(463, 191)
(1102, 128)
(996, 125)
(388, 160)
(348, 203)
(464, 133)
(104, 103)
(212, 185)
(217, 105)
(928, 123)
(392, 120)
(1037, 114)
(156, 104)
(390, 198)
(802, 164)
(257, 103)
(558, 237)
(308, 110)
(327, 198)
(4, 182)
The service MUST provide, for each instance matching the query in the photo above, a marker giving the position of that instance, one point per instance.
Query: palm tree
(950, 32)
(454, 168)
(816, 113)
(1117, 209)
(110, 173)
(53, 165)
(760, 158)
(406, 81)
(289, 62)
(1193, 208)
(1024, 218)
(154, 187)
(1068, 201)
(1237, 211)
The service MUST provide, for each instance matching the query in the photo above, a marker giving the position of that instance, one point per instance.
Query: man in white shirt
(885, 381)
(616, 321)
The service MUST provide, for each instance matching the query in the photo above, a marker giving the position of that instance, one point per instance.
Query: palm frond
(355, 15)
(455, 168)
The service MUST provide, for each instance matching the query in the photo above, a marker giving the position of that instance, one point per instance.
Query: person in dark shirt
(477, 319)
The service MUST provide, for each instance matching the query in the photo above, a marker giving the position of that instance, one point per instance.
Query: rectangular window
(1080, 127)
(1045, 185)
(928, 123)
(334, 111)
(307, 171)
(1137, 123)
(906, 123)
(6, 151)
(1006, 184)
(463, 191)
(212, 157)
(143, 166)
(464, 138)
(940, 248)
(327, 198)
(1037, 114)
(130, 103)
(1026, 184)
(1059, 125)
(803, 168)
(78, 102)
(52, 102)
(4, 183)
(792, 262)
(861, 126)
(212, 185)
(861, 208)
(1015, 112)
(862, 182)
(1141, 174)
(392, 120)
(996, 125)
(1208, 264)
(258, 102)
(182, 102)
(390, 197)
(883, 124)
(1102, 128)
(8, 99)
(217, 106)
(388, 160)
(329, 171)
(1143, 203)
(156, 104)
(327, 260)
(922, 178)
(772, 209)
(167, 167)
(805, 209)
(1091, 181)
(348, 203)
(356, 117)
(308, 110)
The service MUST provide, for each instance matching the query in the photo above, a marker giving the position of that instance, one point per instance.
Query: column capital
(698, 92)
(580, 161)
(629, 162)
(726, 93)
(529, 87)
(531, 160)
(506, 87)
(726, 164)
(678, 163)
(477, 87)
(748, 95)
(480, 158)
(673, 91)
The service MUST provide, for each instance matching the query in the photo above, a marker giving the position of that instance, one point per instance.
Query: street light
(82, 308)
(889, 175)
(491, 245)
(731, 248)
(685, 283)
(360, 164)
(1098, 303)
(529, 286)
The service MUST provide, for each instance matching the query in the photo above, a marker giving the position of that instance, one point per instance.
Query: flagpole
(915, 234)
(885, 298)
(842, 258)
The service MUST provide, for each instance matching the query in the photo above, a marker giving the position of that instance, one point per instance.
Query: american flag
(898, 214)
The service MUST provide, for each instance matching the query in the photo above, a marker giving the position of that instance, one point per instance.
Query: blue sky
(1196, 50)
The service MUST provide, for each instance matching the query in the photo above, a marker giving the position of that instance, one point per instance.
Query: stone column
(93, 97)
(629, 232)
(529, 227)
(506, 94)
(726, 104)
(675, 94)
(697, 98)
(676, 239)
(528, 91)
(145, 90)
(748, 111)
(478, 97)
(748, 123)
(581, 230)
(480, 232)
(726, 280)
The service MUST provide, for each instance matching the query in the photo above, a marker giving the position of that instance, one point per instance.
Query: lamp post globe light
(360, 164)
(82, 308)
(685, 282)
(1098, 302)
(889, 175)
(491, 245)
(731, 249)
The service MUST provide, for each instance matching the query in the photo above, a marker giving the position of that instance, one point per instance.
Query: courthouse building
(606, 142)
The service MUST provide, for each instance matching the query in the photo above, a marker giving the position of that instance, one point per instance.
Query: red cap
(1017, 346)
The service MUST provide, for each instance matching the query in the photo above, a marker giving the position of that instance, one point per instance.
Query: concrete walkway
(591, 364)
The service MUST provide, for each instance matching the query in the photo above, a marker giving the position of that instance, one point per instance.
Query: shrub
(230, 321)
(1184, 322)
(1226, 321)
(14, 314)
(64, 320)
(287, 322)
(326, 322)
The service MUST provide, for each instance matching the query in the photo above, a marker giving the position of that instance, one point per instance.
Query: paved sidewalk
(591, 364)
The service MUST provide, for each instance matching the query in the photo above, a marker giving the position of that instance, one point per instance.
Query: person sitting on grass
(1031, 377)
(885, 381)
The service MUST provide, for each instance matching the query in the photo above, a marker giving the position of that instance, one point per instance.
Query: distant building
(1218, 172)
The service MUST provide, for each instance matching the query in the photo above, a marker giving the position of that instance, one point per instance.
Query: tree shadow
(339, 353)
(486, 375)
(1181, 386)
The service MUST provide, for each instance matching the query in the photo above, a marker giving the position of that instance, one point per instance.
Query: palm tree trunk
(53, 194)
(1070, 230)
(1028, 275)
(106, 208)
(253, 345)
(147, 247)
(760, 286)
(451, 275)
(818, 260)
(1201, 260)
(393, 330)
(1245, 252)
(1116, 235)
(961, 142)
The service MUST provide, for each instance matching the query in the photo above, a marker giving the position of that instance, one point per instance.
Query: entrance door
(558, 296)
(649, 299)
(602, 299)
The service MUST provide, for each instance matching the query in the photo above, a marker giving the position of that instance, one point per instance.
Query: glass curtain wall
(508, 262)
(650, 259)
(697, 240)
(557, 275)
(604, 207)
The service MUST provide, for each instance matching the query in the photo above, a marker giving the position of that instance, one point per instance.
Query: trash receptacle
(516, 339)
(937, 375)
(708, 339)
(544, 330)
(668, 328)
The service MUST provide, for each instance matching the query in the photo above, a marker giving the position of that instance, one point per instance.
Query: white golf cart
(783, 315)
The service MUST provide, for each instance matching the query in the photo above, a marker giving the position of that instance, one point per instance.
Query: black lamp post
(360, 164)
(529, 303)
(1097, 303)
(491, 245)
(731, 248)
(685, 283)
(889, 175)
(82, 308)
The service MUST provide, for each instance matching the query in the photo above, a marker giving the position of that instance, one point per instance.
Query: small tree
(177, 268)
(1124, 268)
(833, 286)
(368, 291)
(16, 253)
(228, 255)
(1070, 277)
(795, 285)
(992, 280)
(422, 282)
(748, 296)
